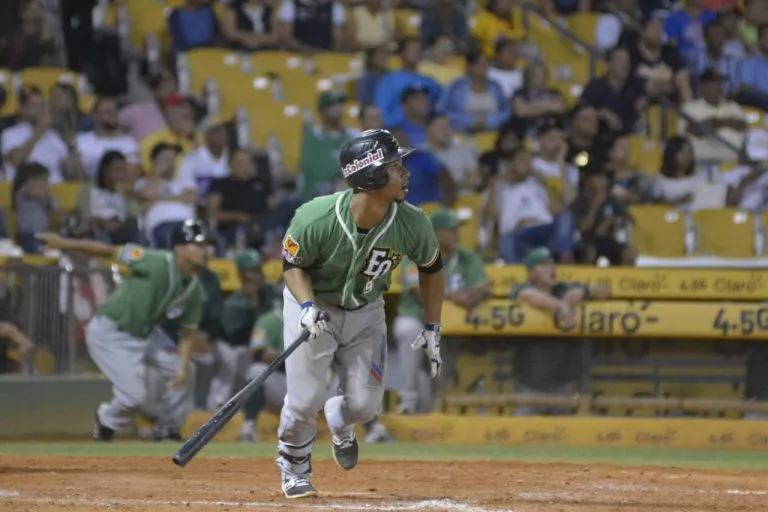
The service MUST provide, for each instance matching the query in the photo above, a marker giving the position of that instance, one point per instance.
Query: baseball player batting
(123, 337)
(338, 255)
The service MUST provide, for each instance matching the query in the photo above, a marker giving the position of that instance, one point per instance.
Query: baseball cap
(756, 145)
(330, 98)
(248, 260)
(174, 100)
(537, 256)
(445, 219)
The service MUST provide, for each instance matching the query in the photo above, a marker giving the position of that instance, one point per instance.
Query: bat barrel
(204, 434)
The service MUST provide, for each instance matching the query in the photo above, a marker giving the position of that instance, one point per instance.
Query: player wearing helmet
(338, 255)
(123, 338)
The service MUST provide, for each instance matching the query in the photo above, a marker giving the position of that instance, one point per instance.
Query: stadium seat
(66, 195)
(726, 232)
(148, 17)
(277, 62)
(223, 65)
(659, 230)
(755, 118)
(408, 22)
(583, 25)
(284, 122)
(645, 154)
(469, 207)
(11, 106)
(46, 78)
(430, 208)
(328, 64)
(485, 141)
(656, 117)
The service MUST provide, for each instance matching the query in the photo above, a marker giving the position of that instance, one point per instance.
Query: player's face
(251, 281)
(448, 239)
(397, 186)
(545, 273)
(196, 255)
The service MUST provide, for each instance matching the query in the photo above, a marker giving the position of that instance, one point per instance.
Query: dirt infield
(77, 484)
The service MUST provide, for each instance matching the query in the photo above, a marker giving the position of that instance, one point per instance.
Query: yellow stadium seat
(755, 118)
(284, 122)
(66, 195)
(85, 102)
(222, 65)
(11, 106)
(408, 22)
(430, 208)
(656, 117)
(659, 230)
(304, 91)
(277, 62)
(565, 62)
(328, 64)
(5, 195)
(571, 92)
(645, 154)
(485, 141)
(352, 115)
(583, 24)
(46, 78)
(148, 17)
(469, 207)
(725, 232)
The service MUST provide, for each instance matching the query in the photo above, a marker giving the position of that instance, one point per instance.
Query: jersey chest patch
(380, 261)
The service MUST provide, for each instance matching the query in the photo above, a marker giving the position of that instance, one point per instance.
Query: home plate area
(152, 484)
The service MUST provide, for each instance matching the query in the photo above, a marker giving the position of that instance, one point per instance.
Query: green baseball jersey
(153, 289)
(212, 305)
(268, 332)
(349, 267)
(240, 314)
(462, 270)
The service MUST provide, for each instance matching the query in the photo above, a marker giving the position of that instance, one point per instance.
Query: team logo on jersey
(258, 339)
(291, 250)
(380, 261)
(135, 253)
(361, 163)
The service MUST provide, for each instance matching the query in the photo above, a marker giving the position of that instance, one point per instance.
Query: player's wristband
(434, 327)
(308, 304)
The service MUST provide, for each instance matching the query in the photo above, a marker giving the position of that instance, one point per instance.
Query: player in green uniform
(466, 285)
(338, 255)
(123, 338)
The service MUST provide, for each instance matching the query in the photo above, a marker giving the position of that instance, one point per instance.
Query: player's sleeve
(513, 295)
(139, 259)
(301, 243)
(258, 336)
(424, 252)
(475, 270)
(193, 312)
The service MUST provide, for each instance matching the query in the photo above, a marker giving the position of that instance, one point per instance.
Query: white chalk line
(442, 505)
(623, 488)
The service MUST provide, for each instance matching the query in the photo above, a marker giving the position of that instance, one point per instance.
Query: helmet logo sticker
(361, 163)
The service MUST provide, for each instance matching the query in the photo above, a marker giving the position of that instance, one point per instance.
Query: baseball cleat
(100, 432)
(345, 450)
(298, 487)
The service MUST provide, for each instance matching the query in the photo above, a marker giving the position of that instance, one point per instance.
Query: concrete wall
(44, 406)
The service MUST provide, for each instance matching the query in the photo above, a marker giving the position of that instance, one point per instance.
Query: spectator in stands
(30, 43)
(560, 176)
(33, 140)
(106, 136)
(250, 24)
(466, 286)
(549, 366)
(685, 27)
(752, 77)
(445, 17)
(438, 63)
(142, 117)
(619, 18)
(179, 132)
(494, 22)
(311, 26)
(748, 183)
(715, 54)
(628, 184)
(109, 208)
(460, 160)
(729, 19)
(601, 218)
(755, 15)
(504, 69)
(166, 202)
(193, 26)
(371, 25)
(211, 159)
(370, 117)
(677, 180)
(390, 88)
(526, 213)
(239, 202)
(33, 204)
(376, 66)
(712, 115)
(494, 161)
(320, 145)
(536, 98)
(618, 97)
(659, 64)
(475, 103)
(426, 171)
(584, 142)
(412, 128)
(65, 110)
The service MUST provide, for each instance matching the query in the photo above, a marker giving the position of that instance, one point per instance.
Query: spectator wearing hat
(460, 159)
(180, 130)
(475, 103)
(618, 97)
(211, 158)
(106, 136)
(549, 366)
(712, 114)
(411, 130)
(561, 176)
(389, 90)
(748, 183)
(438, 64)
(504, 69)
(526, 213)
(320, 145)
(466, 285)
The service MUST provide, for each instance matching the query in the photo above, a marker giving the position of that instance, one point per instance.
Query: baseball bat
(220, 418)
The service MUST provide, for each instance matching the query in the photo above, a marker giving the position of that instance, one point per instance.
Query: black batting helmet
(362, 159)
(189, 232)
